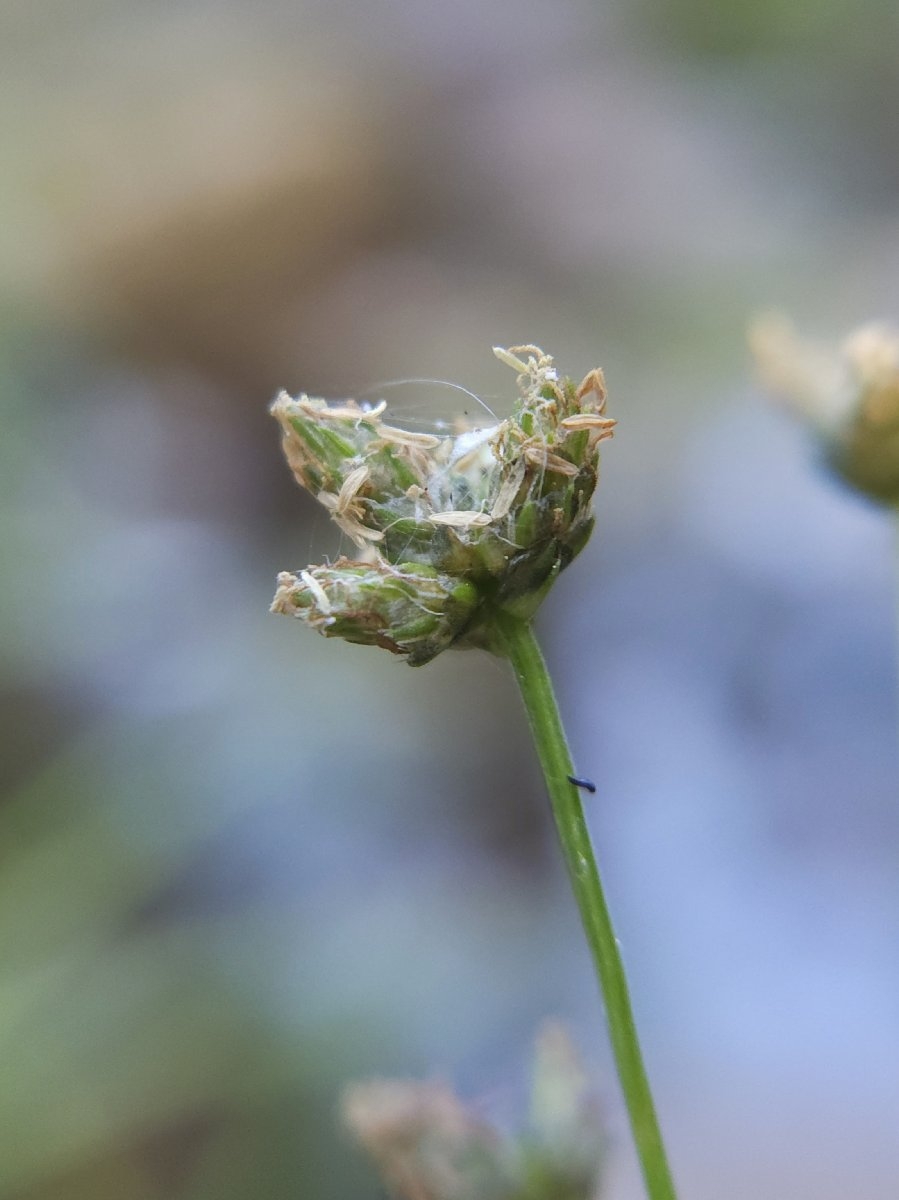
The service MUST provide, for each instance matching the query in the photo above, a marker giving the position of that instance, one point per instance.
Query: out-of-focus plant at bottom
(429, 1145)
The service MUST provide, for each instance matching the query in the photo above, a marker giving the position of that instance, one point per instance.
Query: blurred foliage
(741, 29)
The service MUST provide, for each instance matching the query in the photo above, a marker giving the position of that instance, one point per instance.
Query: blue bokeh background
(241, 866)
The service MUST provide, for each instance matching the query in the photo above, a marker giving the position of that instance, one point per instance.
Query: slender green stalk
(516, 639)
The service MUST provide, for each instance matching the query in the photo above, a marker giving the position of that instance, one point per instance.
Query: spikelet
(450, 527)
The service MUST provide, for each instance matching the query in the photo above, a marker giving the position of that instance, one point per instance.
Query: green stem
(516, 639)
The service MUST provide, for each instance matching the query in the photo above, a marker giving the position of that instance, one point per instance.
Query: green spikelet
(452, 527)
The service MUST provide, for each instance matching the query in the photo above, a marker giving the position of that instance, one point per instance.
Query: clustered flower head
(429, 1145)
(448, 528)
(848, 393)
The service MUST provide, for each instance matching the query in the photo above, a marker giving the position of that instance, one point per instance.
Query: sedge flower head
(847, 393)
(447, 529)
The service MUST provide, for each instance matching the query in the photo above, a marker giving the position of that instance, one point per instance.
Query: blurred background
(241, 866)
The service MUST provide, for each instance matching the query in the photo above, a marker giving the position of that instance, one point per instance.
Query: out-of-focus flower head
(448, 528)
(429, 1145)
(848, 393)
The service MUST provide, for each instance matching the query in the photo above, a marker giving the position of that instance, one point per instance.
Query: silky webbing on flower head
(450, 528)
